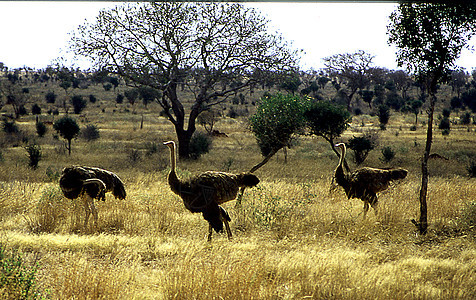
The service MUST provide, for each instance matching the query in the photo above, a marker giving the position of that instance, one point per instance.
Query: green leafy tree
(78, 103)
(328, 121)
(383, 115)
(278, 119)
(50, 97)
(429, 38)
(361, 145)
(68, 129)
(199, 46)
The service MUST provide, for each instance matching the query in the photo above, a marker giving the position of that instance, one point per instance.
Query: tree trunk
(184, 137)
(422, 224)
(69, 146)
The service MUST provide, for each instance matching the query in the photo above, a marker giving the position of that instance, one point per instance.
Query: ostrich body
(207, 191)
(366, 182)
(89, 183)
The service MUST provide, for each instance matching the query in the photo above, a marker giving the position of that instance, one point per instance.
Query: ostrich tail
(119, 190)
(249, 180)
(399, 173)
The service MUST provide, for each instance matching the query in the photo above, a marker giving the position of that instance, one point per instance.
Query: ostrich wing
(374, 179)
(112, 181)
(218, 187)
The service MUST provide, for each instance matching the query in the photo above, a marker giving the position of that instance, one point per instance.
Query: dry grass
(294, 238)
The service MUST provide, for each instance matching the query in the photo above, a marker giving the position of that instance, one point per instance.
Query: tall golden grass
(294, 236)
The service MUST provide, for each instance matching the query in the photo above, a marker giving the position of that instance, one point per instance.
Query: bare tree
(352, 69)
(166, 45)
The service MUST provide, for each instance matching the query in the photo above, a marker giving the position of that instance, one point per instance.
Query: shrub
(465, 118)
(78, 103)
(17, 281)
(413, 128)
(41, 129)
(200, 143)
(472, 169)
(446, 113)
(10, 127)
(119, 98)
(36, 109)
(34, 154)
(387, 154)
(444, 123)
(92, 98)
(361, 147)
(50, 97)
(90, 132)
(383, 116)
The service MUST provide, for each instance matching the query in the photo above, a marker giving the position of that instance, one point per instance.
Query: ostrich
(207, 191)
(90, 183)
(366, 182)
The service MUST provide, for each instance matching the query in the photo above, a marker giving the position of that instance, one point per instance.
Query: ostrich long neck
(174, 181)
(342, 156)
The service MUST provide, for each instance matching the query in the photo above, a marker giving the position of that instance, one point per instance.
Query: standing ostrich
(366, 182)
(205, 192)
(90, 183)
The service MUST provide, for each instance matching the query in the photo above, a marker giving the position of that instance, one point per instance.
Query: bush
(90, 132)
(10, 127)
(78, 103)
(444, 123)
(387, 154)
(17, 281)
(34, 154)
(200, 143)
(465, 118)
(41, 129)
(36, 109)
(383, 116)
(92, 98)
(119, 98)
(361, 147)
(50, 97)
(413, 128)
(472, 169)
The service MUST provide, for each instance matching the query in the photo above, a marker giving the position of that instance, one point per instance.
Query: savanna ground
(294, 236)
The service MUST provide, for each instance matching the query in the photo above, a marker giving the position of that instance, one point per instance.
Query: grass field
(294, 236)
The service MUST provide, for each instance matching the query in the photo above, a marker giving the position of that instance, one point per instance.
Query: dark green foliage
(383, 115)
(444, 124)
(17, 281)
(387, 154)
(41, 129)
(413, 106)
(367, 96)
(472, 169)
(469, 99)
(446, 113)
(36, 109)
(361, 146)
(78, 103)
(22, 111)
(90, 132)
(456, 103)
(131, 95)
(34, 154)
(327, 120)
(200, 143)
(394, 100)
(291, 83)
(119, 98)
(92, 98)
(10, 127)
(465, 118)
(67, 128)
(277, 120)
(107, 87)
(50, 97)
(148, 94)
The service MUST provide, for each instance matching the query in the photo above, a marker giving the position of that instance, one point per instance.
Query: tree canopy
(198, 46)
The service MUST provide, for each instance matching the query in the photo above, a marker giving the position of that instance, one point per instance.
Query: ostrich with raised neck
(204, 193)
(366, 182)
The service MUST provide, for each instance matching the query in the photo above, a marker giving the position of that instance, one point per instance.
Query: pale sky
(37, 31)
